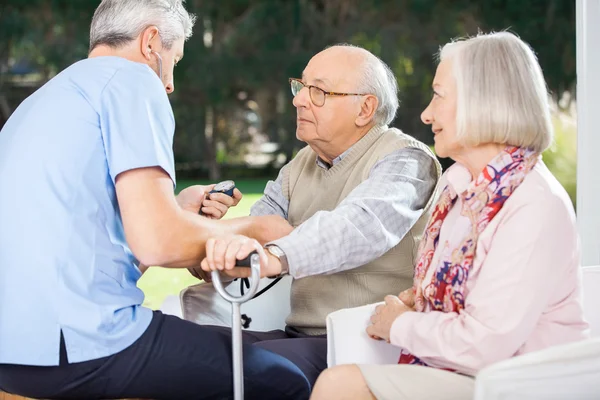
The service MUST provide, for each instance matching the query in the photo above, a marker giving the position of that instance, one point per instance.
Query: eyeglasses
(317, 95)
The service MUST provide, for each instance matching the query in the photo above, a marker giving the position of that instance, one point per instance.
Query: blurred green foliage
(232, 92)
(232, 82)
(561, 157)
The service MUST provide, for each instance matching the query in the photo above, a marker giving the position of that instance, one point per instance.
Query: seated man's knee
(271, 376)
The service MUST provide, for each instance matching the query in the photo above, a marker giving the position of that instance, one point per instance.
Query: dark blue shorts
(173, 359)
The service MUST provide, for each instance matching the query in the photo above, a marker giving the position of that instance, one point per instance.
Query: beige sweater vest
(310, 189)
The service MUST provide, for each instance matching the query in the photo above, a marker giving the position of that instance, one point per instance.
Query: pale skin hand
(222, 253)
(264, 229)
(214, 205)
(408, 298)
(384, 317)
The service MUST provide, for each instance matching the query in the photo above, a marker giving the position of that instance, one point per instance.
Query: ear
(368, 107)
(150, 40)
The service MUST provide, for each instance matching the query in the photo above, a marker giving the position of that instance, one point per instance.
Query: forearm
(370, 221)
(160, 232)
(184, 240)
(330, 242)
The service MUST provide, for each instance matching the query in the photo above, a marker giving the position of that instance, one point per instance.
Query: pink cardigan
(524, 290)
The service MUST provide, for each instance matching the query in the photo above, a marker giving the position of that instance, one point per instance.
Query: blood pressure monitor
(225, 187)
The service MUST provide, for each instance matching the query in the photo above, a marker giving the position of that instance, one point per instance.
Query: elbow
(152, 257)
(154, 251)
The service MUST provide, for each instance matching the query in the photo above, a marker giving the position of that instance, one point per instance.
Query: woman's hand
(384, 317)
(408, 298)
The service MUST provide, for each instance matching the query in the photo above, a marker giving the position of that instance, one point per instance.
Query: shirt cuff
(400, 332)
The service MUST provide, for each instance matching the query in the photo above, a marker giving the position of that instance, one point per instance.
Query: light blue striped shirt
(394, 197)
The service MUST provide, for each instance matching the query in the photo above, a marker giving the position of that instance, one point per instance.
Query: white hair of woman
(501, 92)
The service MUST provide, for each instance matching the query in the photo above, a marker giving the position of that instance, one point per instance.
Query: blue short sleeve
(137, 122)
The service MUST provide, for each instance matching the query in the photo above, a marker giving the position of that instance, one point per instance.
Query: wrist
(282, 266)
(274, 267)
(187, 205)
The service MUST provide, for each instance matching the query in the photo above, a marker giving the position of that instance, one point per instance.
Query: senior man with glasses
(357, 197)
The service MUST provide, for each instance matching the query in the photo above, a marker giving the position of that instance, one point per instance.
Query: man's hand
(201, 274)
(214, 205)
(222, 254)
(384, 317)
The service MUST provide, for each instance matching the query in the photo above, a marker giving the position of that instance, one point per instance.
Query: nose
(302, 99)
(170, 87)
(427, 115)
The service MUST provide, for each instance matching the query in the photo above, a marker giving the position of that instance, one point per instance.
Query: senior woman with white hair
(89, 162)
(498, 268)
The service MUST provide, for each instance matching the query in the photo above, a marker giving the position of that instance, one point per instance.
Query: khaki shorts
(398, 382)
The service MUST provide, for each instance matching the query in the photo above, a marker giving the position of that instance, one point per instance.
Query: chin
(440, 151)
(302, 135)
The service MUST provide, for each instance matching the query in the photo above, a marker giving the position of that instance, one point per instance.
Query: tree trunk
(210, 138)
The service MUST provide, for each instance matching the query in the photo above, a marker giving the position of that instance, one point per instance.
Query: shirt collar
(325, 165)
(459, 178)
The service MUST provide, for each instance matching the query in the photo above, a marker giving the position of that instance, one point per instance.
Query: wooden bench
(6, 396)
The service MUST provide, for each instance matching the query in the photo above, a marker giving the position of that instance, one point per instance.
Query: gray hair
(501, 92)
(378, 79)
(118, 22)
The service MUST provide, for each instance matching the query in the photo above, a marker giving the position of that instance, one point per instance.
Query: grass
(158, 283)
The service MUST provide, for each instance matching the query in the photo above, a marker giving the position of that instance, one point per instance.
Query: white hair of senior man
(501, 92)
(378, 79)
(118, 22)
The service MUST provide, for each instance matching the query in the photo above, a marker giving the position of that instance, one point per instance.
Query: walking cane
(252, 261)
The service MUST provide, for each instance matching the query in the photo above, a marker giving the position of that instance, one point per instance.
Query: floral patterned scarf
(482, 200)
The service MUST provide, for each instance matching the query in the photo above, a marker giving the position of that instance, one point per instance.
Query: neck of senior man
(330, 150)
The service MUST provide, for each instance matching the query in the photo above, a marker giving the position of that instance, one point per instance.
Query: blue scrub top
(64, 262)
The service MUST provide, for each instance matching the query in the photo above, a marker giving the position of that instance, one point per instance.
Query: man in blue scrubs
(87, 177)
